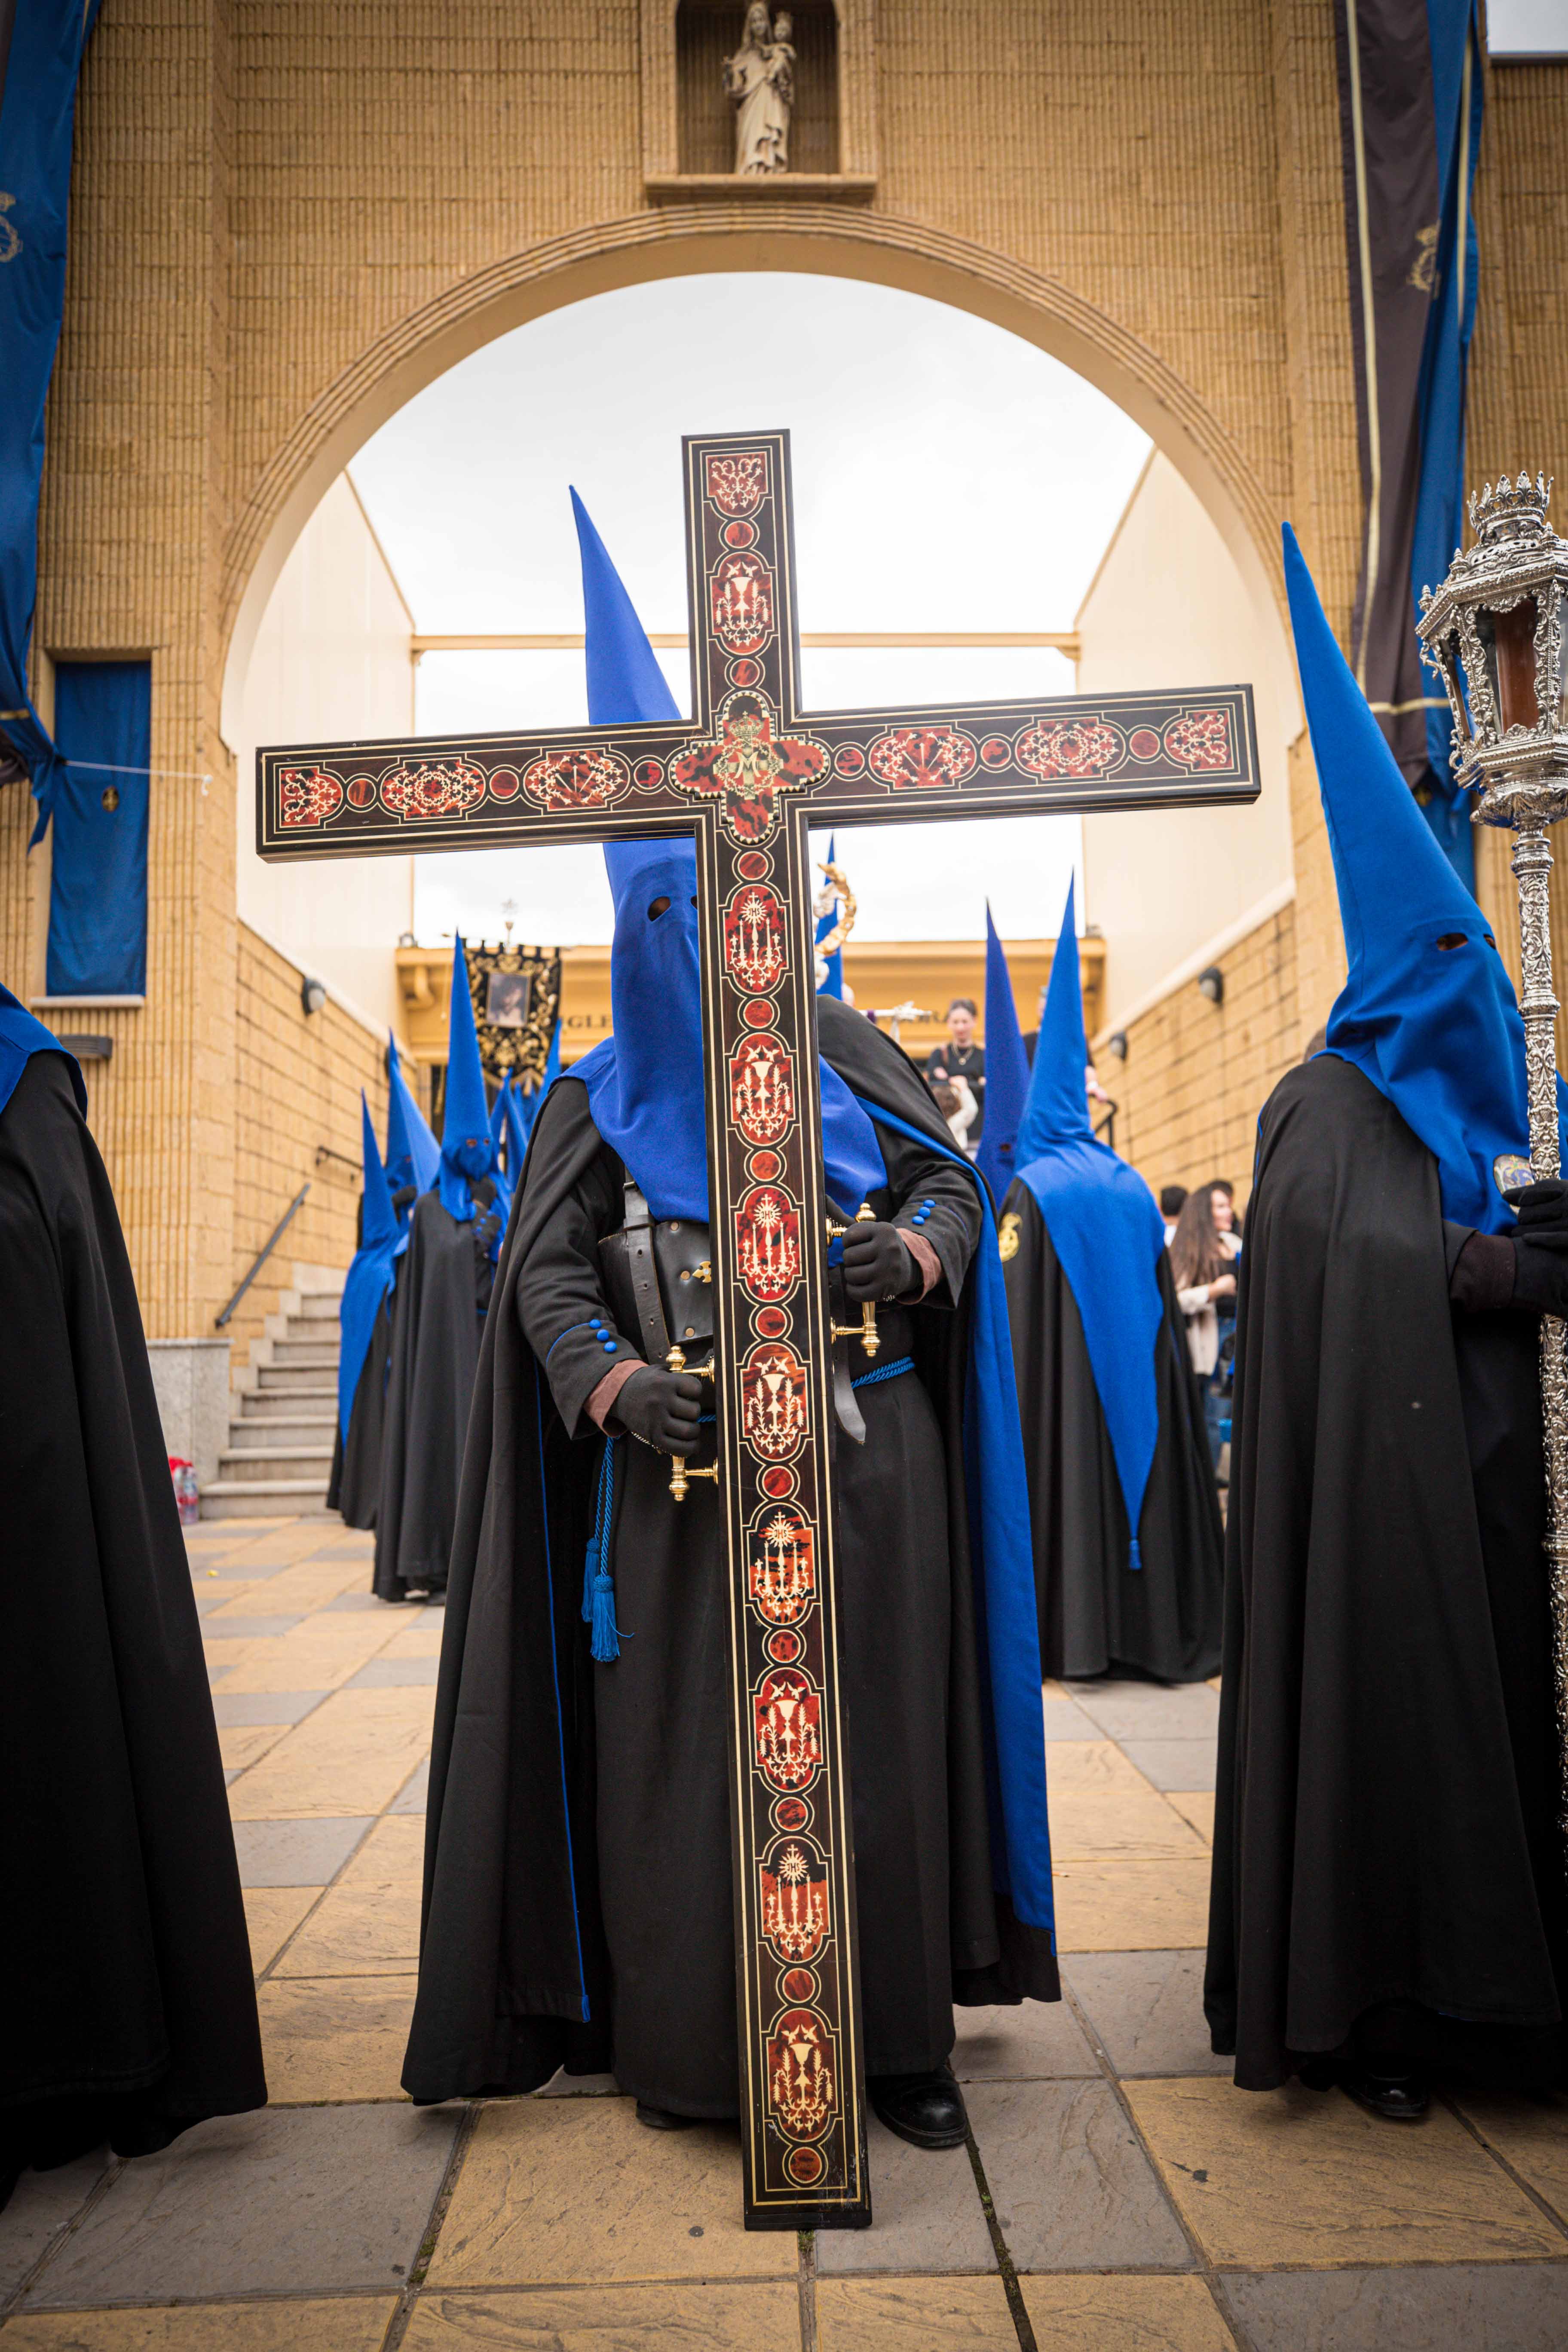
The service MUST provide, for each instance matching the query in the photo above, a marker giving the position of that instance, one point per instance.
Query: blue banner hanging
(97, 889)
(37, 112)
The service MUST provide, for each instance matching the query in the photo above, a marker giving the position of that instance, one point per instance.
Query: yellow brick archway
(824, 239)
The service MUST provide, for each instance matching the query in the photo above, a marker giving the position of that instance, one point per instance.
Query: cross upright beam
(747, 775)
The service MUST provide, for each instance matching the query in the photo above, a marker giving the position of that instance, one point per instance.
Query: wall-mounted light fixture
(1116, 1044)
(1211, 983)
(312, 994)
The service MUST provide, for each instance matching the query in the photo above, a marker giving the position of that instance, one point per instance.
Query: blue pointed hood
(645, 1082)
(834, 984)
(1436, 1028)
(1006, 1070)
(370, 1277)
(1105, 1227)
(413, 1154)
(467, 1148)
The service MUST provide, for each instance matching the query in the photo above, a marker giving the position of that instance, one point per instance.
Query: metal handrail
(1107, 1126)
(324, 1151)
(264, 1253)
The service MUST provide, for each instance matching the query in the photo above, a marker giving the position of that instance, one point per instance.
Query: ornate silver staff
(1497, 620)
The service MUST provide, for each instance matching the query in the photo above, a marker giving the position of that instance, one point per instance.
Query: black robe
(354, 1488)
(577, 1885)
(125, 1973)
(1388, 1878)
(439, 1311)
(1097, 1614)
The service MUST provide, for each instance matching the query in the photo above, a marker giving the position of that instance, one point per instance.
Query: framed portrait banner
(517, 999)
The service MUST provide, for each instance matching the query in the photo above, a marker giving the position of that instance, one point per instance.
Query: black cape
(436, 1317)
(354, 1488)
(1387, 1875)
(125, 1971)
(512, 1930)
(1097, 1614)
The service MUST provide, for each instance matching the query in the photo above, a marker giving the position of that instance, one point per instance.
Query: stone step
(273, 1463)
(300, 1397)
(299, 1379)
(320, 1302)
(304, 1351)
(316, 1330)
(260, 1498)
(279, 1430)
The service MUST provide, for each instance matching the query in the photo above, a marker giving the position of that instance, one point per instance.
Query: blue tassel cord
(884, 1373)
(598, 1585)
(1134, 1555)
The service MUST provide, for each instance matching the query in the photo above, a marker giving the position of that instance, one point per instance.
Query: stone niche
(689, 121)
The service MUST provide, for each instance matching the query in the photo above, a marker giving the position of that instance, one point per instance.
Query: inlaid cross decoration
(747, 775)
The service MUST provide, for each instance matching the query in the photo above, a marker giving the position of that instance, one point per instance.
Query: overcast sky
(946, 476)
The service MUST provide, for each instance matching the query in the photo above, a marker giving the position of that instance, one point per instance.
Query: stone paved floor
(1141, 2200)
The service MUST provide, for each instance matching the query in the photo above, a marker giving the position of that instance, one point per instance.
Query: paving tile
(913, 2314)
(1480, 2307)
(265, 1706)
(1173, 1763)
(418, 1637)
(272, 1914)
(318, 1583)
(1089, 1764)
(356, 1597)
(352, 1756)
(1149, 1711)
(562, 2085)
(1129, 1904)
(1117, 2315)
(1297, 2176)
(927, 2215)
(242, 1744)
(1066, 1720)
(1037, 2040)
(396, 1674)
(41, 2203)
(237, 1628)
(556, 2189)
(313, 2199)
(295, 1853)
(320, 1652)
(611, 2319)
(368, 1925)
(343, 2324)
(411, 1799)
(1529, 2133)
(1118, 1821)
(1194, 1805)
(1148, 2010)
(335, 2037)
(1072, 2188)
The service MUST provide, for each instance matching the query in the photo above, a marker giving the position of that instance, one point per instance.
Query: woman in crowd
(1204, 1249)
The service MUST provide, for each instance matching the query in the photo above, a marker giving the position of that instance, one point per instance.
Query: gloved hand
(661, 1408)
(1540, 1247)
(877, 1264)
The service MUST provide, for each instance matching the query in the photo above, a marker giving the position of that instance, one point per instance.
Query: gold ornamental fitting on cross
(1493, 633)
(747, 776)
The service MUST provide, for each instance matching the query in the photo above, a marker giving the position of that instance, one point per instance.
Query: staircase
(279, 1457)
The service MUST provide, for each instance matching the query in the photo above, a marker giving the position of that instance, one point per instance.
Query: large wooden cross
(747, 775)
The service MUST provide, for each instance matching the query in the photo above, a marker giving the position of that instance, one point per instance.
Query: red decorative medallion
(996, 752)
(773, 1420)
(361, 790)
(589, 778)
(741, 600)
(747, 765)
(792, 1813)
(758, 1014)
(505, 783)
(921, 759)
(430, 788)
(803, 2091)
(798, 1984)
(649, 775)
(772, 1323)
(785, 1647)
(806, 2166)
(1199, 739)
(762, 1093)
(786, 1716)
(1144, 742)
(794, 1898)
(754, 951)
(767, 1243)
(780, 1482)
(738, 534)
(781, 1574)
(1067, 748)
(848, 759)
(764, 1167)
(754, 864)
(307, 795)
(738, 486)
(743, 671)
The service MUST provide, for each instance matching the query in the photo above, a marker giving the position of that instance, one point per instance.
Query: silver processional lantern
(1494, 632)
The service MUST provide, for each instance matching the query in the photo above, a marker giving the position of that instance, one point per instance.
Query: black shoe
(661, 2119)
(925, 2109)
(1399, 2098)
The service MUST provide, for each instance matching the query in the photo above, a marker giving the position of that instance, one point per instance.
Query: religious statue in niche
(760, 80)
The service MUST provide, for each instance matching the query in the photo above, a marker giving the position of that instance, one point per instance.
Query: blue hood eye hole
(1453, 940)
(1488, 938)
(694, 898)
(657, 907)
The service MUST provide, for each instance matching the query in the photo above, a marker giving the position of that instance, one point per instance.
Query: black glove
(1540, 1247)
(876, 1263)
(661, 1408)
